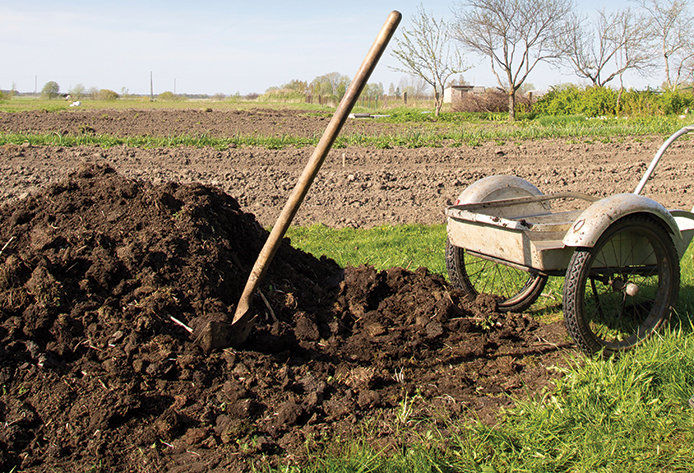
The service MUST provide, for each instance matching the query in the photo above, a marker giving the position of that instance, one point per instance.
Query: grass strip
(199, 141)
(428, 135)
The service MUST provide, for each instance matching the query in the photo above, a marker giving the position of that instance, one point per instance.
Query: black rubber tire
(519, 298)
(584, 315)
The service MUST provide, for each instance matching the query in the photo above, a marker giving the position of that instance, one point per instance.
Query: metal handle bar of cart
(659, 154)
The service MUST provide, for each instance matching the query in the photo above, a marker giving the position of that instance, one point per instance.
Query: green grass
(630, 414)
(626, 414)
(199, 141)
(409, 246)
(429, 135)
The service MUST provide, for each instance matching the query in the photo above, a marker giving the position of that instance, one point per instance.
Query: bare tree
(515, 35)
(602, 50)
(78, 91)
(424, 50)
(672, 27)
(413, 85)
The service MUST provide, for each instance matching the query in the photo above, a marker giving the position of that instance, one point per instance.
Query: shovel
(217, 334)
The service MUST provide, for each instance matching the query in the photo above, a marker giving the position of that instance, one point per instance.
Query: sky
(211, 46)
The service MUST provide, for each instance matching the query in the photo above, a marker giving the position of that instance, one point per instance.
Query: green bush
(50, 90)
(573, 100)
(558, 101)
(169, 96)
(635, 102)
(598, 101)
(676, 101)
(106, 94)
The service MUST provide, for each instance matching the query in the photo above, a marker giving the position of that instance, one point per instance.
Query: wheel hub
(620, 285)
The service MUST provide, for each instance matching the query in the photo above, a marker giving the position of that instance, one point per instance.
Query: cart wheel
(619, 292)
(518, 289)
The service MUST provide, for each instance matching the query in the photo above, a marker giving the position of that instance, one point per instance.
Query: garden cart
(619, 255)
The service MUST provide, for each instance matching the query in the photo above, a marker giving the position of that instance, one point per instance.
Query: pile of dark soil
(100, 277)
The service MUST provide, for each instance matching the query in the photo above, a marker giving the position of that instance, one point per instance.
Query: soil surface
(104, 281)
(373, 186)
(216, 123)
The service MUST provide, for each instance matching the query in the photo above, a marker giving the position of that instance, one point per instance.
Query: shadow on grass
(549, 313)
(683, 315)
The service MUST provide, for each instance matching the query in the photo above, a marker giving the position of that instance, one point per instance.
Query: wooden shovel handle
(314, 164)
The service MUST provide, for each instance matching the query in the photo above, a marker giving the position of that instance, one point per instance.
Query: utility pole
(151, 88)
(174, 86)
(36, 84)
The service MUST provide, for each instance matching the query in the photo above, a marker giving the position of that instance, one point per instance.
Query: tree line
(653, 37)
(51, 90)
(330, 86)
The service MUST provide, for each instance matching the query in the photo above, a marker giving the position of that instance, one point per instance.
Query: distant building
(535, 94)
(455, 93)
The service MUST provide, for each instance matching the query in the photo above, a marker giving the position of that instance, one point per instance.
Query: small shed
(454, 93)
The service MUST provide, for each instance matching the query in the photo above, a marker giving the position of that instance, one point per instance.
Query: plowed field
(114, 258)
